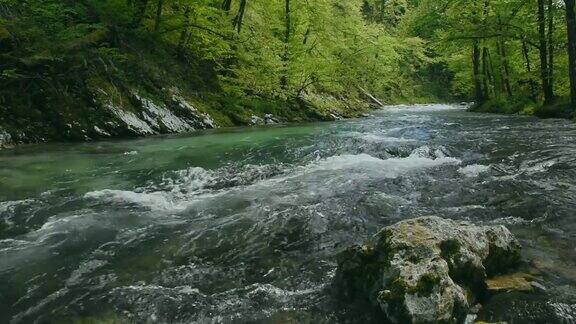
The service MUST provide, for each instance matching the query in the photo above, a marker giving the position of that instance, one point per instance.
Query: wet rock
(191, 115)
(269, 119)
(426, 270)
(538, 287)
(521, 307)
(5, 139)
(255, 120)
(512, 282)
(334, 116)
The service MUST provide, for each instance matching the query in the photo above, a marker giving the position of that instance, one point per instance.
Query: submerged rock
(426, 270)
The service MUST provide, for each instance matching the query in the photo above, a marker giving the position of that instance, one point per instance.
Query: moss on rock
(426, 270)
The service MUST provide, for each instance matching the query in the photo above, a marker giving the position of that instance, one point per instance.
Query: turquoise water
(243, 225)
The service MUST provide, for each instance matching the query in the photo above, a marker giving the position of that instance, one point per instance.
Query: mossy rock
(426, 270)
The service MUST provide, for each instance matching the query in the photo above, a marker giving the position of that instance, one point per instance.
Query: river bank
(527, 107)
(133, 90)
(85, 70)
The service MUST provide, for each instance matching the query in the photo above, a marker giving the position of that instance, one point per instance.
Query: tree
(159, 7)
(551, 46)
(286, 53)
(140, 11)
(240, 16)
(571, 31)
(544, 72)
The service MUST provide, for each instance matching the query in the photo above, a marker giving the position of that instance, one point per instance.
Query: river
(242, 225)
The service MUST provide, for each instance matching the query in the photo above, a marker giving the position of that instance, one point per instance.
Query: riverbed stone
(426, 270)
(511, 282)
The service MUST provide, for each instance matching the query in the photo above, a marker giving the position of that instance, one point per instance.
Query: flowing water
(243, 225)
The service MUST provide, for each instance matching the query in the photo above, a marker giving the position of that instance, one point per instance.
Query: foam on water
(184, 188)
(473, 170)
(422, 108)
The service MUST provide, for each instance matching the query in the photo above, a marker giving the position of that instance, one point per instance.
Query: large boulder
(426, 270)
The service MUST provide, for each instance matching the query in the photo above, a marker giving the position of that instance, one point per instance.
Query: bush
(560, 109)
(506, 105)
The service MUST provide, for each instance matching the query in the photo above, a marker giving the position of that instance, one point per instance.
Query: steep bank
(95, 90)
(84, 70)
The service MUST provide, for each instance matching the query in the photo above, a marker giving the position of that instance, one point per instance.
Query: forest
(299, 60)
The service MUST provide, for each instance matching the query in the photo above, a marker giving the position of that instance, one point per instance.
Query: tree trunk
(139, 13)
(485, 58)
(548, 96)
(478, 95)
(551, 46)
(526, 53)
(184, 32)
(227, 5)
(240, 16)
(506, 70)
(485, 74)
(158, 19)
(286, 54)
(476, 68)
(571, 25)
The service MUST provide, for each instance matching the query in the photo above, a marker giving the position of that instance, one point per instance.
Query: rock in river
(426, 270)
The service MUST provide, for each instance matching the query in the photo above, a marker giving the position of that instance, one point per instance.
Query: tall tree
(526, 54)
(571, 26)
(227, 5)
(551, 46)
(286, 54)
(505, 71)
(479, 94)
(184, 34)
(545, 75)
(140, 11)
(239, 19)
(486, 68)
(159, 7)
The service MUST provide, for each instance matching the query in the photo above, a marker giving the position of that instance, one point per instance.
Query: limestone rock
(426, 270)
(269, 119)
(256, 120)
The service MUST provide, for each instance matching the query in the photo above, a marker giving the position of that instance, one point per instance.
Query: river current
(243, 225)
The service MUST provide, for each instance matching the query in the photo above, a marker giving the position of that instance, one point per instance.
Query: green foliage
(507, 37)
(327, 55)
(560, 109)
(333, 47)
(507, 105)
